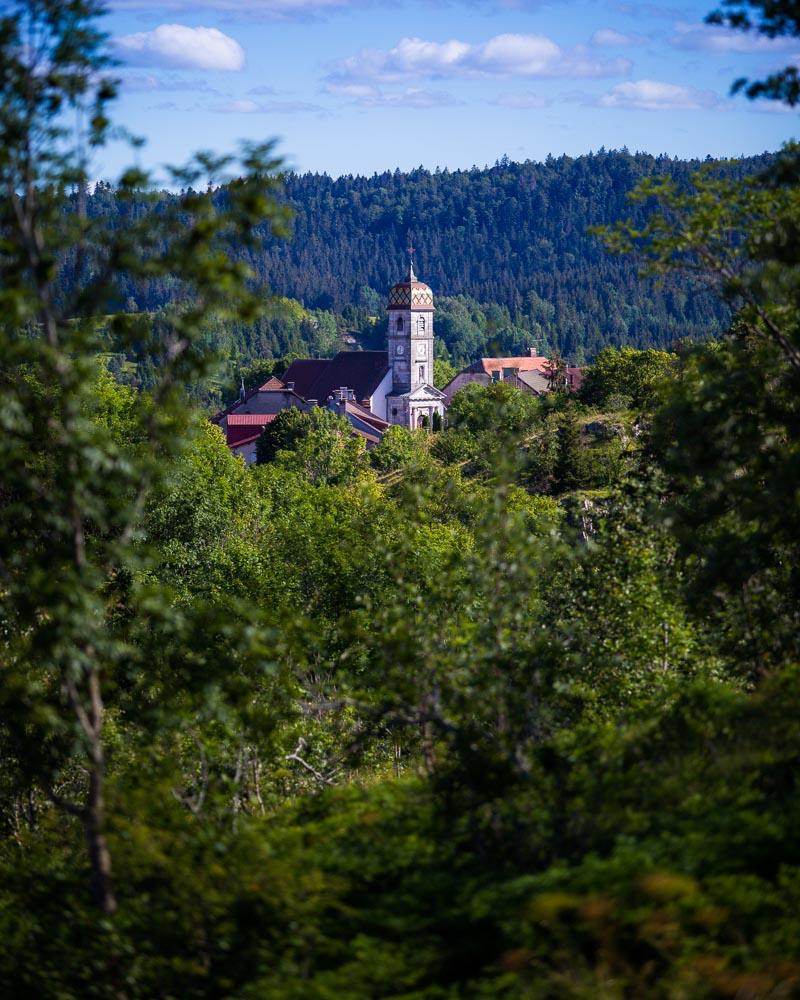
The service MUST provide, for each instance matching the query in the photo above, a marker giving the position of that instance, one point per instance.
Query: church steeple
(413, 401)
(410, 331)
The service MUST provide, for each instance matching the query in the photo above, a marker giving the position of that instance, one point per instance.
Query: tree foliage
(773, 19)
(626, 372)
(508, 710)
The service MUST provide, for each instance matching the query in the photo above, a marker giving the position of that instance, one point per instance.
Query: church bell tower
(410, 332)
(413, 402)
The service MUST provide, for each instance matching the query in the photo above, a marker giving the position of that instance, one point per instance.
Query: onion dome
(411, 293)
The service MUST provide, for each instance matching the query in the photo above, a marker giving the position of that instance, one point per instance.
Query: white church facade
(395, 385)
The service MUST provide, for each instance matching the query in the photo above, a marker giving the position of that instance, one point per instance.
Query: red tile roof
(272, 384)
(243, 428)
(523, 364)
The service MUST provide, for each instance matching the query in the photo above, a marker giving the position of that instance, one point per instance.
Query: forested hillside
(514, 235)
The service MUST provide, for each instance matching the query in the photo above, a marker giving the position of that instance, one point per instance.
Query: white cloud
(708, 38)
(177, 46)
(245, 106)
(610, 39)
(521, 101)
(516, 55)
(242, 107)
(369, 96)
(355, 91)
(150, 82)
(768, 108)
(655, 95)
(531, 55)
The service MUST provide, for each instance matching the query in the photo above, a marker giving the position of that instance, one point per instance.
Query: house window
(495, 376)
(400, 323)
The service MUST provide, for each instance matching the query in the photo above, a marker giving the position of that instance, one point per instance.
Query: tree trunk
(99, 857)
(94, 813)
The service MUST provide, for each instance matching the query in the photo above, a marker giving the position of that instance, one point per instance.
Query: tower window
(421, 324)
(422, 373)
(399, 322)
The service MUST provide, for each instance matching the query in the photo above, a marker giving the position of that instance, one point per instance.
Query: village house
(531, 373)
(374, 390)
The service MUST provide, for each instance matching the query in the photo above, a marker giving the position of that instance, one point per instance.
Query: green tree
(569, 470)
(627, 373)
(327, 451)
(399, 447)
(74, 594)
(727, 436)
(556, 373)
(443, 372)
(497, 407)
(773, 19)
(282, 433)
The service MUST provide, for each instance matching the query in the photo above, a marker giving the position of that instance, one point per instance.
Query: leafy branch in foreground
(773, 19)
(739, 237)
(727, 435)
(72, 491)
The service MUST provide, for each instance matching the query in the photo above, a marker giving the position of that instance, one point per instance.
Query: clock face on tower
(400, 349)
(422, 350)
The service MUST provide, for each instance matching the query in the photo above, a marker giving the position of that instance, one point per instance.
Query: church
(395, 385)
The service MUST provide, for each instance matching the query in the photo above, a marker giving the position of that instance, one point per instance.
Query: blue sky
(357, 86)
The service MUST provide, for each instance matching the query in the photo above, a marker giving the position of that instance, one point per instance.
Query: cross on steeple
(411, 275)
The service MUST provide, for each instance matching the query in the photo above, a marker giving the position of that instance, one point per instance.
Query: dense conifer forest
(511, 241)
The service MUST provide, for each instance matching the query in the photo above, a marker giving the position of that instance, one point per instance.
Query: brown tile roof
(361, 371)
(371, 439)
(272, 384)
(249, 419)
(304, 372)
(366, 415)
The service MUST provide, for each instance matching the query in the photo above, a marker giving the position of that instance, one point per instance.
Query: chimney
(532, 352)
(290, 386)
